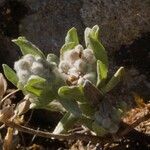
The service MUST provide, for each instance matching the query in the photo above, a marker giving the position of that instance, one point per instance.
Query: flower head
(78, 65)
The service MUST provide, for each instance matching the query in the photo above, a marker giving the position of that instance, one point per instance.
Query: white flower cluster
(77, 65)
(30, 65)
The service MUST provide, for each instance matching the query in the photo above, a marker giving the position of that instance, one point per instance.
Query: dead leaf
(7, 113)
(8, 139)
(139, 101)
(3, 85)
(92, 93)
(77, 146)
(23, 106)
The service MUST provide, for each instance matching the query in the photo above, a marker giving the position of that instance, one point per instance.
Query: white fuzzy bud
(80, 65)
(71, 56)
(29, 58)
(81, 81)
(91, 77)
(23, 75)
(74, 72)
(21, 65)
(88, 55)
(79, 48)
(37, 68)
(64, 66)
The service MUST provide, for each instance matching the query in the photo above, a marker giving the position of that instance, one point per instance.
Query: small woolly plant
(78, 80)
(36, 75)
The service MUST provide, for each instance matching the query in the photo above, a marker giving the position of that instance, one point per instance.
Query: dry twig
(8, 95)
(75, 136)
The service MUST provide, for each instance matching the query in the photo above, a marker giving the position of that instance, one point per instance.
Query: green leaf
(72, 92)
(99, 51)
(52, 58)
(10, 74)
(87, 109)
(35, 85)
(94, 32)
(66, 47)
(71, 106)
(98, 129)
(65, 123)
(72, 36)
(27, 47)
(86, 36)
(92, 41)
(114, 80)
(54, 106)
(102, 71)
(86, 121)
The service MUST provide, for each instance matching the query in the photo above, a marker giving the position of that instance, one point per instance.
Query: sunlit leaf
(99, 51)
(102, 71)
(66, 47)
(35, 85)
(65, 123)
(27, 47)
(114, 80)
(52, 58)
(10, 74)
(71, 92)
(72, 36)
(94, 32)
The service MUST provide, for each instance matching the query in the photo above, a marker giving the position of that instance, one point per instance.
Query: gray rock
(120, 21)
(8, 51)
(48, 26)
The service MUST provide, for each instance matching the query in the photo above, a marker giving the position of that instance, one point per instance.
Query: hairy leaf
(114, 80)
(52, 58)
(27, 47)
(99, 51)
(10, 74)
(66, 47)
(102, 71)
(94, 32)
(72, 36)
(71, 92)
(35, 85)
(65, 123)
(99, 130)
(71, 106)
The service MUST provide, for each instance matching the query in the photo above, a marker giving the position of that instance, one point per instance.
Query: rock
(121, 22)
(47, 25)
(8, 51)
